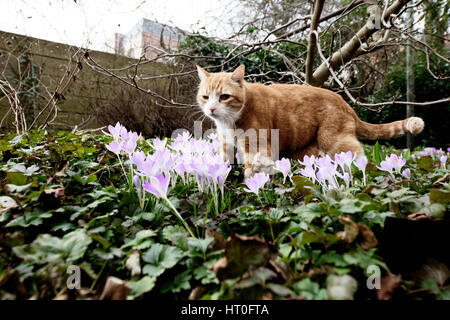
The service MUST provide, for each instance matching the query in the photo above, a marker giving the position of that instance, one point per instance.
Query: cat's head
(221, 95)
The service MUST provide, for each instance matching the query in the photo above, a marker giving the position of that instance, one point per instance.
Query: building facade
(147, 38)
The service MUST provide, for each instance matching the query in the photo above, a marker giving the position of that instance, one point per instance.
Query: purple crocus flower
(386, 165)
(406, 173)
(129, 146)
(397, 162)
(392, 162)
(138, 159)
(443, 160)
(422, 153)
(309, 172)
(137, 182)
(114, 147)
(148, 167)
(163, 159)
(308, 161)
(158, 185)
(283, 166)
(124, 134)
(158, 144)
(361, 164)
(344, 158)
(115, 131)
(256, 182)
(215, 144)
(327, 169)
(430, 151)
(346, 178)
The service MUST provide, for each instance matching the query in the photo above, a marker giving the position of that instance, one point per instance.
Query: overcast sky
(91, 22)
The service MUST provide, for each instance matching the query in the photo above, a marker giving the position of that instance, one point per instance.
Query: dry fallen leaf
(242, 253)
(219, 241)
(419, 216)
(441, 181)
(350, 229)
(282, 269)
(432, 270)
(7, 203)
(58, 193)
(219, 265)
(389, 283)
(366, 237)
(115, 289)
(341, 287)
(197, 293)
(133, 264)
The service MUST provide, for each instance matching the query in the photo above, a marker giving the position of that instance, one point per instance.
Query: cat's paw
(248, 173)
(263, 164)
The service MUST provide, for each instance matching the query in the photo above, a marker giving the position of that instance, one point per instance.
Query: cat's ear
(202, 74)
(238, 74)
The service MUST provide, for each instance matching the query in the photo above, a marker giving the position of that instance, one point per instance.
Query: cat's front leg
(246, 157)
(255, 161)
(226, 150)
(223, 150)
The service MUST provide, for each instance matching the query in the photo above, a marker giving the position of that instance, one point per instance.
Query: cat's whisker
(194, 114)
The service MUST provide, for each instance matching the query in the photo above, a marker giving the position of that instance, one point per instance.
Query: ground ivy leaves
(159, 258)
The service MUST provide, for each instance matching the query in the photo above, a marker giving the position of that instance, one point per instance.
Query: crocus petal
(114, 147)
(406, 173)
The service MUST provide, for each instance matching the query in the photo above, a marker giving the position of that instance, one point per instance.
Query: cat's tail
(394, 129)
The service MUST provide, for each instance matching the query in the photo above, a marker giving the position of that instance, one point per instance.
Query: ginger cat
(311, 120)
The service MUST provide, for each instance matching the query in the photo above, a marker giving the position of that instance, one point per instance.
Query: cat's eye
(224, 97)
(205, 97)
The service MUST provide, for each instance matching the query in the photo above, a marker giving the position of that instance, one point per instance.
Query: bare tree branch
(347, 52)
(318, 6)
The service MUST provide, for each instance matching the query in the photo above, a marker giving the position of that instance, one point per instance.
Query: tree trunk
(410, 96)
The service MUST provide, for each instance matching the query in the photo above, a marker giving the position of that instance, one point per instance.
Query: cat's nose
(212, 109)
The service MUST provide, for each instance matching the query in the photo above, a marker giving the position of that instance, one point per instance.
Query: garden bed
(68, 205)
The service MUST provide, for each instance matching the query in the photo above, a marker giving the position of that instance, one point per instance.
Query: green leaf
(279, 290)
(426, 163)
(432, 286)
(205, 274)
(350, 206)
(407, 154)
(104, 242)
(310, 290)
(179, 282)
(46, 248)
(378, 154)
(307, 237)
(310, 211)
(75, 244)
(258, 276)
(199, 245)
(33, 218)
(332, 257)
(303, 185)
(439, 196)
(141, 240)
(16, 178)
(159, 258)
(362, 258)
(141, 286)
(170, 232)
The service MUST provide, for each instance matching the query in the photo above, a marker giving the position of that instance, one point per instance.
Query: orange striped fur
(311, 120)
